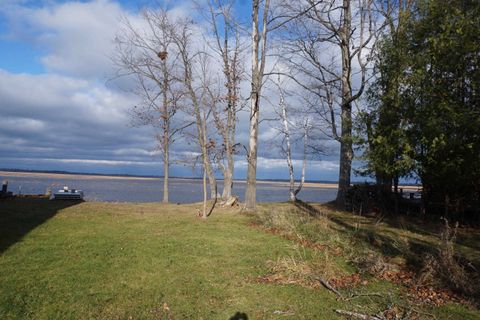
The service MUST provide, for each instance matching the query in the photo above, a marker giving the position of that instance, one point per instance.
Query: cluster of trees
(187, 79)
(404, 73)
(423, 115)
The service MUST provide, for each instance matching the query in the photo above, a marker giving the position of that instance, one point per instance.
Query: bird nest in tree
(163, 55)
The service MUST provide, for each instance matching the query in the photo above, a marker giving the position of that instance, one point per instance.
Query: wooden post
(4, 186)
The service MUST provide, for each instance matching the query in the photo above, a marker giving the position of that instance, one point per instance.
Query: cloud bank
(70, 116)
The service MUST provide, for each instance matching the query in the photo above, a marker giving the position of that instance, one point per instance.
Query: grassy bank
(150, 261)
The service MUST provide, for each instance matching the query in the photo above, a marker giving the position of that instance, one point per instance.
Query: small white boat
(67, 194)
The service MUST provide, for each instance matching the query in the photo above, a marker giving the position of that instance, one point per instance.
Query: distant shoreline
(69, 176)
(80, 176)
(332, 185)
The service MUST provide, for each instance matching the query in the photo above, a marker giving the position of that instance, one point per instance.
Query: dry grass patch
(350, 249)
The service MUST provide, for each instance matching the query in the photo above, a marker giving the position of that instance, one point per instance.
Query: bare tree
(259, 47)
(287, 140)
(182, 31)
(271, 19)
(148, 56)
(227, 45)
(326, 31)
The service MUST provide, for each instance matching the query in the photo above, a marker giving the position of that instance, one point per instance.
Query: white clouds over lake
(71, 116)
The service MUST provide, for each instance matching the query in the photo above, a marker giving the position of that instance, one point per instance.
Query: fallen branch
(374, 294)
(329, 287)
(357, 315)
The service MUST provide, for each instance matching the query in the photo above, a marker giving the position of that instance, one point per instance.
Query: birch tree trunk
(288, 146)
(304, 163)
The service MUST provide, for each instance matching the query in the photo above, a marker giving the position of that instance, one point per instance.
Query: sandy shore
(332, 185)
(6, 174)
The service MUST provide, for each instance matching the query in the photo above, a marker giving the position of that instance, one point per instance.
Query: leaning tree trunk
(288, 150)
(304, 164)
(201, 130)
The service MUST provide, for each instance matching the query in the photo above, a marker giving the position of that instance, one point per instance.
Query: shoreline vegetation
(86, 176)
(159, 261)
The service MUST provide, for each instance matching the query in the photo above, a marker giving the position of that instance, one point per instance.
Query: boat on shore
(67, 194)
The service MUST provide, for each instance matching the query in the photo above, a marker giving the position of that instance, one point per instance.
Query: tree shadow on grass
(307, 208)
(239, 316)
(21, 215)
(385, 242)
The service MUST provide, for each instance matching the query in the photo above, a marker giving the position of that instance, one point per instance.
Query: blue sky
(60, 111)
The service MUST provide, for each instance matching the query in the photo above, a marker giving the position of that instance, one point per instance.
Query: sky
(61, 110)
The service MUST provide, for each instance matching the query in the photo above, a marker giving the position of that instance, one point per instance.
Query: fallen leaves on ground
(418, 295)
(348, 281)
(421, 295)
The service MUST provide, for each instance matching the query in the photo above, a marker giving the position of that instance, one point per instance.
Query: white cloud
(79, 36)
(68, 113)
(135, 151)
(279, 163)
(105, 162)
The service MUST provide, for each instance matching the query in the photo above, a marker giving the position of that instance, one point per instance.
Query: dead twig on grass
(373, 294)
(358, 315)
(329, 286)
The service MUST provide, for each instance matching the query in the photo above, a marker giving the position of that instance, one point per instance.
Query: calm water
(151, 190)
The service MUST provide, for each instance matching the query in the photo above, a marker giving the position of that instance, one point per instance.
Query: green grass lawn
(61, 260)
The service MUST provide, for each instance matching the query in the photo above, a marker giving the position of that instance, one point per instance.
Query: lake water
(151, 190)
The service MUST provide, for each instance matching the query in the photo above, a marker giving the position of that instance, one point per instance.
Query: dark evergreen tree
(424, 115)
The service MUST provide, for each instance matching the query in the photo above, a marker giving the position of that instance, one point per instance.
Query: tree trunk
(201, 123)
(204, 213)
(202, 131)
(258, 67)
(227, 183)
(346, 147)
(165, 173)
(230, 142)
(346, 156)
(166, 135)
(212, 181)
(229, 138)
(292, 194)
(251, 190)
(304, 164)
(222, 17)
